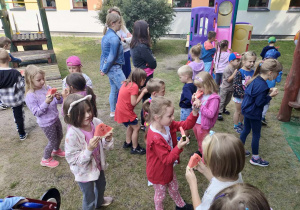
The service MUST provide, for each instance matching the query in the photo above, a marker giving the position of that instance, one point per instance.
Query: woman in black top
(141, 53)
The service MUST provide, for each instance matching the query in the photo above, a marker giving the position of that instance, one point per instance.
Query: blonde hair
(110, 19)
(185, 70)
(30, 72)
(246, 55)
(265, 66)
(196, 50)
(240, 196)
(4, 41)
(224, 154)
(205, 80)
(154, 85)
(158, 107)
(4, 56)
(117, 9)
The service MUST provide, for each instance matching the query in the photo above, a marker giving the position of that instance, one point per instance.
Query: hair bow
(88, 97)
(211, 132)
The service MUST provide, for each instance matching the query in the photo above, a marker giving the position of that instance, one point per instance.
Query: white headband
(88, 97)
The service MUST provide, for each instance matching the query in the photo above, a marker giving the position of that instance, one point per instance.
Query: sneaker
(186, 207)
(241, 126)
(23, 137)
(220, 117)
(126, 145)
(225, 111)
(3, 107)
(143, 128)
(107, 201)
(263, 121)
(259, 162)
(58, 153)
(247, 153)
(238, 129)
(112, 114)
(51, 163)
(138, 150)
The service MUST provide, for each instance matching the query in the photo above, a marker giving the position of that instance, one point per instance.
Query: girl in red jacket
(163, 150)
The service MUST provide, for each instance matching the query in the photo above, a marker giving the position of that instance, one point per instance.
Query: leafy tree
(158, 13)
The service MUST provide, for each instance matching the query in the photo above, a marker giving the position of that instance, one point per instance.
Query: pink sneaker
(58, 153)
(51, 163)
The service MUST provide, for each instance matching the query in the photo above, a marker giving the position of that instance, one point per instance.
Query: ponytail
(89, 91)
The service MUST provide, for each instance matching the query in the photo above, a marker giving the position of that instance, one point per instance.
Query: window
(79, 4)
(294, 5)
(211, 3)
(49, 4)
(20, 4)
(258, 4)
(182, 3)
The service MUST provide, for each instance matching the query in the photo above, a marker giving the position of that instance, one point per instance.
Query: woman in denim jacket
(112, 58)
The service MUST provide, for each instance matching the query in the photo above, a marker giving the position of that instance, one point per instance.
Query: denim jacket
(112, 51)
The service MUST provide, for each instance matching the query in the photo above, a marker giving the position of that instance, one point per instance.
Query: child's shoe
(112, 114)
(3, 107)
(138, 150)
(58, 153)
(186, 207)
(220, 117)
(259, 162)
(107, 201)
(51, 163)
(126, 145)
(241, 125)
(247, 153)
(23, 137)
(263, 121)
(238, 129)
(225, 111)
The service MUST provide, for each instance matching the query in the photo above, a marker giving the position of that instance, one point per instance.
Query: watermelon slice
(182, 133)
(103, 130)
(51, 91)
(194, 160)
(199, 94)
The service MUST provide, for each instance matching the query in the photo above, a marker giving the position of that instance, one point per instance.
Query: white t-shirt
(86, 77)
(214, 188)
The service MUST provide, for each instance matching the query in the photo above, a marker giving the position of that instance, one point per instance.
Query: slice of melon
(199, 94)
(194, 160)
(182, 133)
(103, 130)
(51, 91)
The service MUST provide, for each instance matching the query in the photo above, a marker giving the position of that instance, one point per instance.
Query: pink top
(221, 61)
(149, 71)
(208, 45)
(210, 111)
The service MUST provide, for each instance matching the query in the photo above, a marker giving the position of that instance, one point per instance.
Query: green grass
(126, 176)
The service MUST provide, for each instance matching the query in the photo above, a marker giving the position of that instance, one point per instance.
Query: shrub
(158, 13)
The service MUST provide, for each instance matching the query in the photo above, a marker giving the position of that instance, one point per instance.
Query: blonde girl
(197, 65)
(257, 95)
(239, 84)
(129, 97)
(222, 163)
(241, 196)
(44, 108)
(221, 61)
(163, 150)
(209, 106)
(85, 152)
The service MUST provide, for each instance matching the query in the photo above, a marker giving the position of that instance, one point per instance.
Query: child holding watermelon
(42, 102)
(86, 139)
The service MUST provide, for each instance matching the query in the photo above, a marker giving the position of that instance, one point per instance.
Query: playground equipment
(242, 37)
(291, 98)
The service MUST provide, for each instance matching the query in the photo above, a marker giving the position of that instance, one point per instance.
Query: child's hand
(274, 92)
(182, 143)
(190, 176)
(235, 71)
(144, 90)
(197, 103)
(193, 97)
(93, 143)
(102, 74)
(58, 95)
(109, 137)
(203, 169)
(49, 99)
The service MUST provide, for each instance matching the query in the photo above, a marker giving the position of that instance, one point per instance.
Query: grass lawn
(21, 174)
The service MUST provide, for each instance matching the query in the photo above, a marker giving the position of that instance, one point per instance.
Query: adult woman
(126, 37)
(112, 58)
(141, 53)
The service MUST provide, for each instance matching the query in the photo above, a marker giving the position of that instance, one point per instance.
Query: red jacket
(160, 157)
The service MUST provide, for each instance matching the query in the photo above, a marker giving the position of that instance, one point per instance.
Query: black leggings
(19, 118)
(145, 97)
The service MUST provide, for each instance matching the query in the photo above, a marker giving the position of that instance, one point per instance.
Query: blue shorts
(184, 113)
(207, 66)
(131, 123)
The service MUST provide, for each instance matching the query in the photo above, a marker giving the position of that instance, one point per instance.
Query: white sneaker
(107, 201)
(112, 114)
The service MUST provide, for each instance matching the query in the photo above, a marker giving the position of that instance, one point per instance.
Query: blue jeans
(116, 77)
(93, 192)
(218, 78)
(255, 125)
(127, 67)
(184, 113)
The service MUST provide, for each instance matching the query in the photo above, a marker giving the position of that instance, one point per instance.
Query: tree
(158, 13)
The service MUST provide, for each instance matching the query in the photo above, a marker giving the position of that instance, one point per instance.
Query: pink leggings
(200, 134)
(160, 193)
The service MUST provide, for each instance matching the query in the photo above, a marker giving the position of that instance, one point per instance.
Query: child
(44, 108)
(163, 150)
(84, 151)
(208, 50)
(5, 43)
(12, 89)
(257, 95)
(239, 84)
(226, 88)
(128, 98)
(76, 83)
(74, 65)
(240, 196)
(271, 45)
(221, 61)
(209, 106)
(222, 163)
(185, 74)
(197, 65)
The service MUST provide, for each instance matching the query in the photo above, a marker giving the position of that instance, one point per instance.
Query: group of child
(223, 155)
